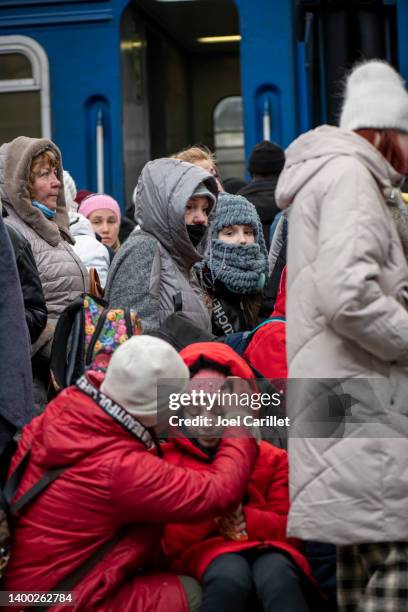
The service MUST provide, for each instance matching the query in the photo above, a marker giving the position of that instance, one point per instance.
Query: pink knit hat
(97, 202)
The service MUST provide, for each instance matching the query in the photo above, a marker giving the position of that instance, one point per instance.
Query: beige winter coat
(62, 274)
(347, 298)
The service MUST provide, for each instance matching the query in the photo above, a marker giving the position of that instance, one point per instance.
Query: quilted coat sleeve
(152, 490)
(354, 239)
(267, 520)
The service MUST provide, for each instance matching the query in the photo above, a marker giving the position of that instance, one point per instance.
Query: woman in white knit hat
(347, 319)
(115, 493)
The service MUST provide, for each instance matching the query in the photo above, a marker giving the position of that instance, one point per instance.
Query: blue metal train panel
(82, 42)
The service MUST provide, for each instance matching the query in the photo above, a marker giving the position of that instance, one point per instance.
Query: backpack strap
(36, 489)
(271, 320)
(178, 302)
(69, 582)
(12, 484)
(128, 321)
(250, 335)
(58, 361)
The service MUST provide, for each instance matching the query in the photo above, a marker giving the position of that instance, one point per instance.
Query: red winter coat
(112, 480)
(191, 548)
(267, 350)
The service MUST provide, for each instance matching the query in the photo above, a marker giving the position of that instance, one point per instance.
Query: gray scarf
(241, 268)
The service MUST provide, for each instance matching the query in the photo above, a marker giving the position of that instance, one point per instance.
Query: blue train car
(117, 82)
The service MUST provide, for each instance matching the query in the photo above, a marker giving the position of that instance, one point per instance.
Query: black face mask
(196, 232)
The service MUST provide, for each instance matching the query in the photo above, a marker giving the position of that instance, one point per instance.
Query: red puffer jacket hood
(217, 353)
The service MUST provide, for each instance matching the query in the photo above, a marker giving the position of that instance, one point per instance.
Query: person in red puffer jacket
(267, 349)
(244, 553)
(114, 482)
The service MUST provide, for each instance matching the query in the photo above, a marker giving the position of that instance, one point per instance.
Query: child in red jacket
(245, 554)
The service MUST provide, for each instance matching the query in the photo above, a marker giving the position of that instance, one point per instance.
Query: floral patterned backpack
(88, 332)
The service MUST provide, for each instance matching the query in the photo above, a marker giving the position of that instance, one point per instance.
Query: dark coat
(33, 297)
(261, 193)
(16, 403)
(230, 312)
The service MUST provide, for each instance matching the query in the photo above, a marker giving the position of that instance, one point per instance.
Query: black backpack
(88, 328)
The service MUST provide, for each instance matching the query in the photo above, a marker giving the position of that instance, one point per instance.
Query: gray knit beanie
(237, 210)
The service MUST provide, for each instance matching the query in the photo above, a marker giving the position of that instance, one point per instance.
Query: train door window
(229, 137)
(24, 89)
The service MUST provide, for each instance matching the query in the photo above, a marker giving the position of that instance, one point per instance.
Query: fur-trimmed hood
(15, 162)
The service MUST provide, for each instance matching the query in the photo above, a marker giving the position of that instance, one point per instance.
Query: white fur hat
(70, 192)
(375, 97)
(134, 372)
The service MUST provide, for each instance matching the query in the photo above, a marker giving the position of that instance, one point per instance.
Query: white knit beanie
(375, 97)
(134, 371)
(70, 192)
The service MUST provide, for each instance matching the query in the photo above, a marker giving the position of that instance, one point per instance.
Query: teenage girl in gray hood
(153, 269)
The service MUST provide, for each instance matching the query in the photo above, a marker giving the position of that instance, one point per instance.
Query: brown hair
(388, 146)
(195, 154)
(47, 159)
(252, 304)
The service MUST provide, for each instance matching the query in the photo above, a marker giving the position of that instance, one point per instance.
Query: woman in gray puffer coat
(152, 272)
(347, 340)
(31, 191)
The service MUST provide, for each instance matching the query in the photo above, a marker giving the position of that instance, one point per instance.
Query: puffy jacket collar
(218, 353)
(15, 162)
(73, 427)
(313, 150)
(164, 187)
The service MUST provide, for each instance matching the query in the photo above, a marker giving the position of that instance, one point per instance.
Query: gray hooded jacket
(347, 320)
(155, 263)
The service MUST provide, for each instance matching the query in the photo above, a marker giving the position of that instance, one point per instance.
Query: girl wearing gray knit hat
(235, 267)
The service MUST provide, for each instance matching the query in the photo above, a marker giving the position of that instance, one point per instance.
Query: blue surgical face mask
(47, 212)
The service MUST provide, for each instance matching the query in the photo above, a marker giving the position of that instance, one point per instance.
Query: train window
(24, 89)
(15, 66)
(229, 137)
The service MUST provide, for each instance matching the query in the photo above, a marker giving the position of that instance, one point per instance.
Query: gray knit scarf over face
(241, 268)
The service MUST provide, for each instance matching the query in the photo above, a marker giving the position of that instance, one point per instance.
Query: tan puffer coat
(62, 274)
(347, 299)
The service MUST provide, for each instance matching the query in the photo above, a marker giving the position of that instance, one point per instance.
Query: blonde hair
(195, 154)
(44, 160)
(116, 245)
